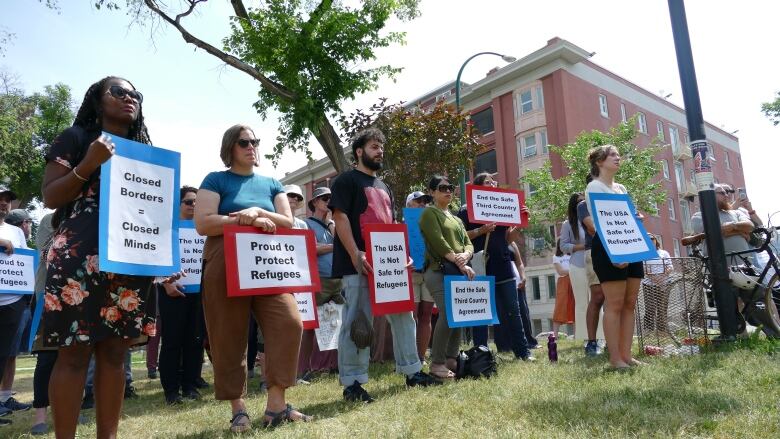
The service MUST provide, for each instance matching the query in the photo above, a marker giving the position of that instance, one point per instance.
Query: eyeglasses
(190, 202)
(244, 143)
(446, 188)
(325, 198)
(119, 92)
(28, 221)
(297, 197)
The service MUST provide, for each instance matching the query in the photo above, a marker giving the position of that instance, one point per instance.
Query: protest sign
(308, 309)
(191, 256)
(139, 210)
(36, 318)
(494, 205)
(17, 272)
(416, 242)
(260, 263)
(390, 283)
(470, 303)
(328, 331)
(623, 237)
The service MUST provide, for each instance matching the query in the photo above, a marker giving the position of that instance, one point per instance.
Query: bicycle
(760, 299)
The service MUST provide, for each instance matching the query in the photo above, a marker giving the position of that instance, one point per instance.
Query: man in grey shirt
(735, 225)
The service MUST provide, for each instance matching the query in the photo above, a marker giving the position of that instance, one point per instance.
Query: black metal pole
(725, 300)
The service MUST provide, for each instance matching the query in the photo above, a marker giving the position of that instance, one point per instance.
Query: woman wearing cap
(422, 296)
(448, 250)
(240, 196)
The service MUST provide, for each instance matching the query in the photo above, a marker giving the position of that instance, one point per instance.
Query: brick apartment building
(549, 97)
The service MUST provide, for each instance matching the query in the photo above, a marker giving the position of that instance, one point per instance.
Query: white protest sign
(470, 303)
(17, 272)
(330, 326)
(139, 212)
(493, 205)
(191, 255)
(390, 281)
(307, 308)
(622, 235)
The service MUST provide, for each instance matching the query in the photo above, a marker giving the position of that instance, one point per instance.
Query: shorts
(331, 291)
(607, 272)
(592, 278)
(10, 316)
(421, 292)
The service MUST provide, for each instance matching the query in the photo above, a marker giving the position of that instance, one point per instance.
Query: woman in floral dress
(88, 311)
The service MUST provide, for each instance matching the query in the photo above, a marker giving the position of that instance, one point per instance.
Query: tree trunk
(331, 143)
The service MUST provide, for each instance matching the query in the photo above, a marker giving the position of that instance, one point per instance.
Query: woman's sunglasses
(244, 143)
(325, 198)
(189, 202)
(120, 92)
(446, 188)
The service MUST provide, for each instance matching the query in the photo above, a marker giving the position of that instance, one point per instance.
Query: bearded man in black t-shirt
(358, 198)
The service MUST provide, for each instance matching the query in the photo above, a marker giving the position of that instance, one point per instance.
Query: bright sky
(191, 98)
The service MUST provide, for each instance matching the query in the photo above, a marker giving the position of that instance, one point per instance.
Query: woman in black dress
(87, 311)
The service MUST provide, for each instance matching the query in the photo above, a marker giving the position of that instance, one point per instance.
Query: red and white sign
(390, 283)
(489, 205)
(259, 263)
(308, 309)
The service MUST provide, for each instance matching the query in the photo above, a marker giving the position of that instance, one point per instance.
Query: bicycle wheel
(772, 299)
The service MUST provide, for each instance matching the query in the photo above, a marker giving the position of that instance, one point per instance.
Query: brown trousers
(227, 322)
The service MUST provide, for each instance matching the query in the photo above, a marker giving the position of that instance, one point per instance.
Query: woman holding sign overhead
(240, 196)
(620, 282)
(448, 251)
(87, 310)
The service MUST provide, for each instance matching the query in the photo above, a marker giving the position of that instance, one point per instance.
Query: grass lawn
(730, 393)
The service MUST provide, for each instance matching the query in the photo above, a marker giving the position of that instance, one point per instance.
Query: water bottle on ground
(552, 348)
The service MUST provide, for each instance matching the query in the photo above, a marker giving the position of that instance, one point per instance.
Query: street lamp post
(507, 58)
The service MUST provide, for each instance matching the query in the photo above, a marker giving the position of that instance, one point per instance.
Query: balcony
(687, 190)
(681, 152)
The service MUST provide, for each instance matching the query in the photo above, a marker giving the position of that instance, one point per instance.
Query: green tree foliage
(419, 143)
(28, 125)
(772, 110)
(638, 173)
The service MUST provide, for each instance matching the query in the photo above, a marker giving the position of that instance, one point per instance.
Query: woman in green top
(447, 249)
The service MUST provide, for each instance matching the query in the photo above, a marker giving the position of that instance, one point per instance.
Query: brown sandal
(278, 418)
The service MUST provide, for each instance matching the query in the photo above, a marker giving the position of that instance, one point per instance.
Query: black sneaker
(200, 383)
(152, 374)
(12, 404)
(89, 401)
(130, 392)
(422, 379)
(192, 395)
(5, 421)
(4, 411)
(174, 399)
(356, 393)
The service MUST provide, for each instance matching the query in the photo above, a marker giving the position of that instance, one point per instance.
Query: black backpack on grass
(477, 362)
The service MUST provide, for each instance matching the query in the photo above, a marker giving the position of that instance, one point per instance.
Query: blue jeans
(525, 314)
(353, 362)
(509, 316)
(91, 371)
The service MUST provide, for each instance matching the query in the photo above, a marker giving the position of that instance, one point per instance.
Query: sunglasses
(244, 143)
(190, 202)
(446, 188)
(324, 198)
(120, 92)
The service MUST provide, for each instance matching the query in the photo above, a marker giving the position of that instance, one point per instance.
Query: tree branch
(231, 60)
(238, 7)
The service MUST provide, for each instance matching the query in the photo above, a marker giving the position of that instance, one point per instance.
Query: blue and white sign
(139, 210)
(416, 242)
(624, 238)
(470, 302)
(35, 323)
(191, 256)
(17, 272)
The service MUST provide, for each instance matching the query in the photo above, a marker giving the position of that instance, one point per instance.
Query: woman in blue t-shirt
(239, 196)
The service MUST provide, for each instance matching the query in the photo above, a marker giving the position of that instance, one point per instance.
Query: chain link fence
(671, 317)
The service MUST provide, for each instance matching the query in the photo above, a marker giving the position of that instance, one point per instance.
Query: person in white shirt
(656, 290)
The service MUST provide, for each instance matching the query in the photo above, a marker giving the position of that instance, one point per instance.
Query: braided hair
(90, 113)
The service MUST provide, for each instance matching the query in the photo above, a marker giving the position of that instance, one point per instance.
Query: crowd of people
(92, 318)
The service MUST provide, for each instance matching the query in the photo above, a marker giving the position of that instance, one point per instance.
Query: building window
(665, 168)
(687, 139)
(526, 102)
(642, 122)
(537, 325)
(654, 207)
(674, 139)
(543, 137)
(535, 288)
(660, 241)
(603, 105)
(539, 97)
(672, 214)
(660, 127)
(531, 189)
(685, 213)
(679, 175)
(726, 159)
(551, 286)
(529, 148)
(676, 243)
(486, 162)
(483, 121)
(623, 112)
(739, 161)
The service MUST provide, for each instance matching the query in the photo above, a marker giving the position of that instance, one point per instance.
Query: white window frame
(665, 168)
(679, 176)
(674, 138)
(672, 210)
(544, 142)
(641, 120)
(528, 191)
(726, 159)
(623, 112)
(676, 245)
(526, 152)
(685, 213)
(655, 206)
(530, 101)
(603, 108)
(659, 126)
(539, 97)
